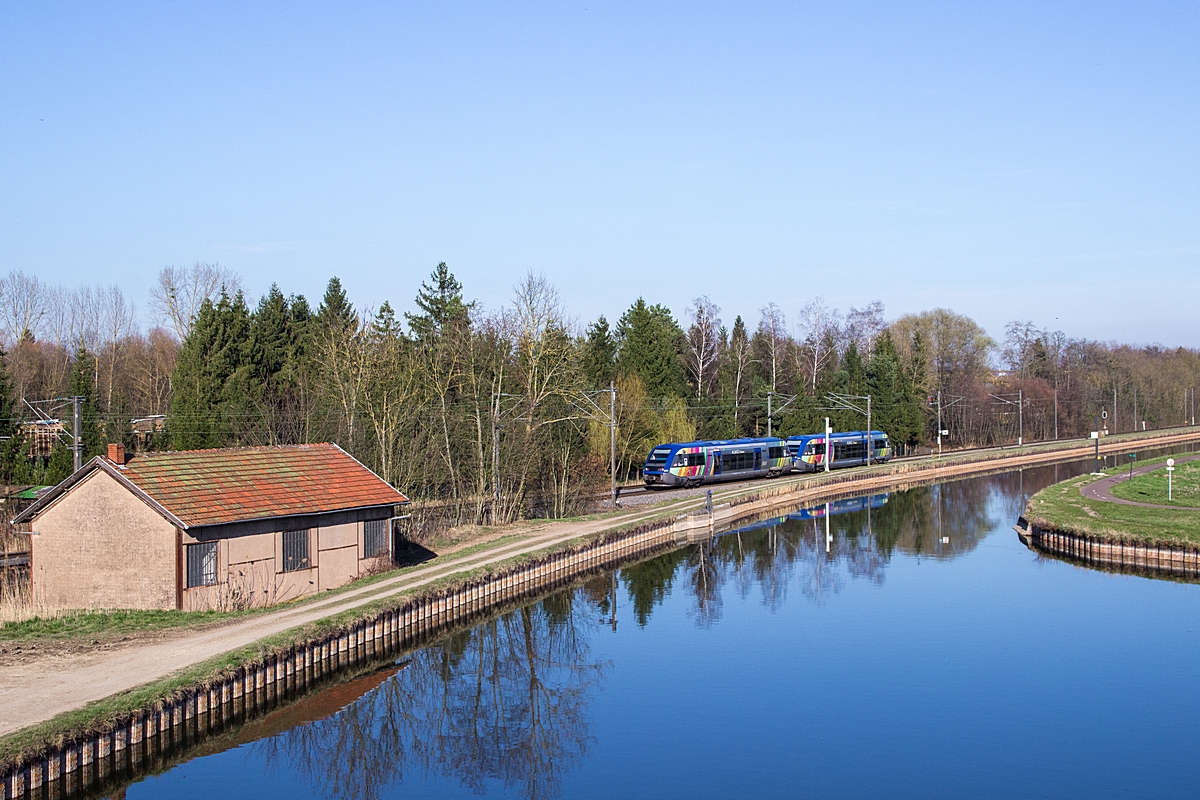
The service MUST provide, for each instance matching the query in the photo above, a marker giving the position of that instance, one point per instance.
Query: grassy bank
(1152, 487)
(104, 714)
(1061, 507)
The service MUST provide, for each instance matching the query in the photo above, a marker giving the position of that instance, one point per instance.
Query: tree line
(490, 416)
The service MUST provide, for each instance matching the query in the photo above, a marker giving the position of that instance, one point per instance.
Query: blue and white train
(849, 450)
(693, 463)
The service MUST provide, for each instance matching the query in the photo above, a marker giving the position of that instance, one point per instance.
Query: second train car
(693, 463)
(849, 450)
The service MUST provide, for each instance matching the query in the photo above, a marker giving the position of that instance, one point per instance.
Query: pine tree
(336, 313)
(651, 346)
(13, 457)
(211, 382)
(599, 355)
(441, 300)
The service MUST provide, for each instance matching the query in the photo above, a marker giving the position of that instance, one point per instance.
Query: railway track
(636, 490)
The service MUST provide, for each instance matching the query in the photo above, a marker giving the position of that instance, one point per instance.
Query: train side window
(775, 452)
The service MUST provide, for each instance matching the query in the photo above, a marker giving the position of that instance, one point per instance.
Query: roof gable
(214, 487)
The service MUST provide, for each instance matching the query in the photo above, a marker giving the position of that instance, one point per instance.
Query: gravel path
(38, 689)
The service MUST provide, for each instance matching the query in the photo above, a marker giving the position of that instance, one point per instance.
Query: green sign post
(1132, 458)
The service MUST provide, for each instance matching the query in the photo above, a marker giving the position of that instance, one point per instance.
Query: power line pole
(828, 444)
(77, 408)
(769, 414)
(1020, 417)
(939, 423)
(612, 460)
(1056, 414)
(870, 440)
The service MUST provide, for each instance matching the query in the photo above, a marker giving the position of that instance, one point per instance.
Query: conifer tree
(599, 354)
(212, 376)
(13, 458)
(336, 313)
(651, 346)
(441, 301)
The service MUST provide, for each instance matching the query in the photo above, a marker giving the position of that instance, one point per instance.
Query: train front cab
(702, 462)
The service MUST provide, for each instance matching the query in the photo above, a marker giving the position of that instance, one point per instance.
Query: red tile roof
(210, 487)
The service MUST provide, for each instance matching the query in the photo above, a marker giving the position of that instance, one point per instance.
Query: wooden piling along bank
(1176, 561)
(136, 744)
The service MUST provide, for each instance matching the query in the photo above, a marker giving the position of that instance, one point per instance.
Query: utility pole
(612, 460)
(1020, 417)
(1056, 414)
(1114, 408)
(1193, 405)
(77, 408)
(870, 441)
(1135, 409)
(769, 414)
(495, 457)
(939, 423)
(828, 444)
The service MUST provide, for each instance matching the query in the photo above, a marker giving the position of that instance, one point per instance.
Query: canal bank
(841, 664)
(368, 605)
(1082, 520)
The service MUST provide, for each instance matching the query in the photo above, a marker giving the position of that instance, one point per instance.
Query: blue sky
(1009, 161)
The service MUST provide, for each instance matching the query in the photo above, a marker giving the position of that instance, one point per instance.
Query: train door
(757, 460)
(717, 462)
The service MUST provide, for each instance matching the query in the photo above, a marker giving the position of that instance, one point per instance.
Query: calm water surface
(925, 652)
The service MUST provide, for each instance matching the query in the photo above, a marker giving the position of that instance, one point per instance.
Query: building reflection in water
(506, 702)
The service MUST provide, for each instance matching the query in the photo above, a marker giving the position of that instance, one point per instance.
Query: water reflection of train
(847, 506)
(693, 463)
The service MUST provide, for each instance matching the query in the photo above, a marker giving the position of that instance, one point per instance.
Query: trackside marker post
(1170, 469)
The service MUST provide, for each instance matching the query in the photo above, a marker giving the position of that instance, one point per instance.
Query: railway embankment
(72, 723)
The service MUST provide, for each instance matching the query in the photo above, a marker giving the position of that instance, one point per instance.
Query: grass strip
(1152, 487)
(1061, 507)
(103, 715)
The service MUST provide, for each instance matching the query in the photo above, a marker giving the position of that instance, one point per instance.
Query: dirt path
(40, 688)
(1102, 489)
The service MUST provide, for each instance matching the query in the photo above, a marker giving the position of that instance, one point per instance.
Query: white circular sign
(1170, 462)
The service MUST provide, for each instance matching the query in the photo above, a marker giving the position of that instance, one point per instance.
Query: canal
(918, 650)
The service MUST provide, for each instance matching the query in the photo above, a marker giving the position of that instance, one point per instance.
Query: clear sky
(1035, 161)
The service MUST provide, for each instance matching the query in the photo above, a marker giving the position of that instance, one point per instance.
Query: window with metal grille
(375, 537)
(295, 550)
(201, 564)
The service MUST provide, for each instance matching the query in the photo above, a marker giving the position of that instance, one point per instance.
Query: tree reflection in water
(940, 521)
(505, 701)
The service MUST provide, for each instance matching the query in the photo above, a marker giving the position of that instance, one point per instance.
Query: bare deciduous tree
(819, 329)
(703, 339)
(180, 291)
(772, 327)
(22, 306)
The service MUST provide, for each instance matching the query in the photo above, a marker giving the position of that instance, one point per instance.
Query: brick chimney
(116, 453)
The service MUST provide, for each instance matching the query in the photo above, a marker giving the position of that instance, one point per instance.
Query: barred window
(375, 537)
(295, 550)
(201, 564)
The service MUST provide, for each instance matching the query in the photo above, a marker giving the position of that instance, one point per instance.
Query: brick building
(209, 529)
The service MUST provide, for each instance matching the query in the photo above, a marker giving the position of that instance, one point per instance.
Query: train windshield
(658, 456)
